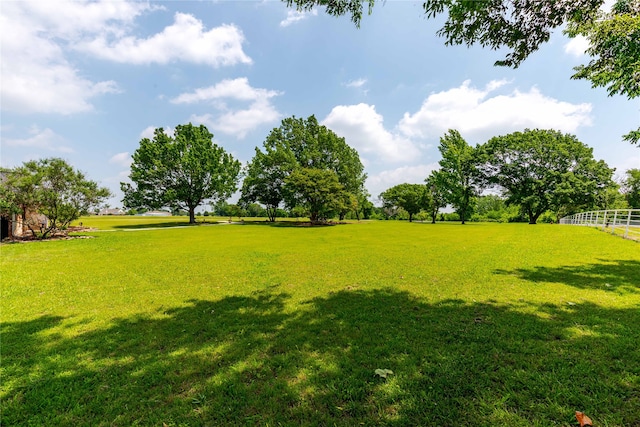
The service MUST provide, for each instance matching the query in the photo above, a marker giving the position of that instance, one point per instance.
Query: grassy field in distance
(254, 324)
(135, 222)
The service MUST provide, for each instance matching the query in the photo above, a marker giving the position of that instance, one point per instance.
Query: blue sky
(85, 81)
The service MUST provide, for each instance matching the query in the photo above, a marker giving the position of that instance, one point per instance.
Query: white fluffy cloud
(121, 159)
(236, 89)
(379, 182)
(39, 38)
(240, 122)
(36, 76)
(356, 83)
(577, 46)
(363, 129)
(233, 121)
(294, 16)
(476, 112)
(43, 139)
(185, 40)
(70, 19)
(149, 130)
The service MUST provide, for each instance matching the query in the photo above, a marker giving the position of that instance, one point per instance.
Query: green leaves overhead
(522, 26)
(519, 25)
(614, 47)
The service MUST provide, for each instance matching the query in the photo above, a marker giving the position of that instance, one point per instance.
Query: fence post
(615, 217)
(626, 230)
(604, 221)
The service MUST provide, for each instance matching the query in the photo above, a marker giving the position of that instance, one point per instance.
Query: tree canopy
(265, 177)
(631, 188)
(458, 177)
(614, 47)
(180, 171)
(435, 195)
(287, 171)
(410, 197)
(522, 26)
(545, 169)
(318, 190)
(50, 187)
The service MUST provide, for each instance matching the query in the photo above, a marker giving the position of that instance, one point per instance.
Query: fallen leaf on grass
(583, 419)
(383, 372)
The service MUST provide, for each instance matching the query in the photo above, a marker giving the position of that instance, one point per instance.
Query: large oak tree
(436, 195)
(545, 169)
(458, 177)
(180, 171)
(304, 146)
(410, 197)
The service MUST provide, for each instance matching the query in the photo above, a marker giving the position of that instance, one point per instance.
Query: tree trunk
(410, 217)
(271, 213)
(463, 211)
(533, 217)
(192, 214)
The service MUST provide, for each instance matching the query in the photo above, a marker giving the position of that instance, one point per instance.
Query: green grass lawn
(126, 222)
(240, 325)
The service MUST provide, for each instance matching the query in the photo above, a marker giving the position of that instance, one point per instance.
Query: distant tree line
(528, 175)
(305, 170)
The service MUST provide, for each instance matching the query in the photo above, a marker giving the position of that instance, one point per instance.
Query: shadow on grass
(291, 223)
(614, 275)
(249, 361)
(167, 224)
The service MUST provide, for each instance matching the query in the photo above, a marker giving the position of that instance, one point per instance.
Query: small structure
(17, 227)
(109, 211)
(156, 213)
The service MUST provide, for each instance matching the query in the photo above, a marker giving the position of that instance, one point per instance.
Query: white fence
(617, 221)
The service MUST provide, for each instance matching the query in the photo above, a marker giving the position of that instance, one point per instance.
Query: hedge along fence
(616, 221)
